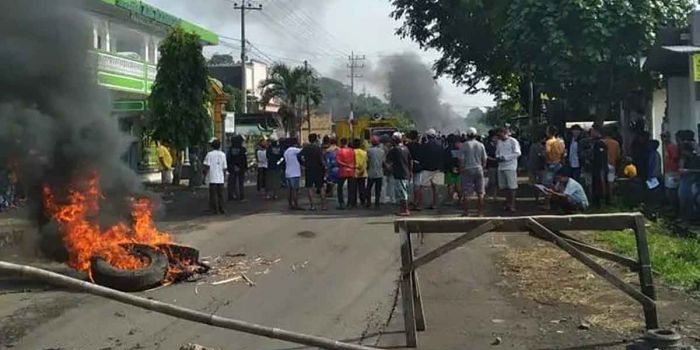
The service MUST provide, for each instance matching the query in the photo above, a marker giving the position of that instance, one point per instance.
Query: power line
(303, 26)
(302, 17)
(244, 81)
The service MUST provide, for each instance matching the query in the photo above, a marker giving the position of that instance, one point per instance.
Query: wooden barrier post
(646, 279)
(407, 291)
(546, 227)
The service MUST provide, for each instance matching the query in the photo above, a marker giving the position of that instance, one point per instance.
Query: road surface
(336, 278)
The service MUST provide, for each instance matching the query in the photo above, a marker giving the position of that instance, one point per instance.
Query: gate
(546, 227)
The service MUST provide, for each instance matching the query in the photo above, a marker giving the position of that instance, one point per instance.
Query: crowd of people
(570, 170)
(395, 169)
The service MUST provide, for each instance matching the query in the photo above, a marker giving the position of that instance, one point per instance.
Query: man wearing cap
(431, 175)
(400, 163)
(472, 162)
(507, 153)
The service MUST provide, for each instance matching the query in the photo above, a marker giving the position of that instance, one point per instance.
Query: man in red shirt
(345, 157)
(671, 167)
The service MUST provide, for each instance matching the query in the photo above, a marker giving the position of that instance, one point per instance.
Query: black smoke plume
(410, 85)
(55, 122)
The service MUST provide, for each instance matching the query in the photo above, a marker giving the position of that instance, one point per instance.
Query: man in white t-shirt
(292, 172)
(507, 153)
(215, 170)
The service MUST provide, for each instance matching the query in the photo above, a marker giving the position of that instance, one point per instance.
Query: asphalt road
(342, 286)
(336, 278)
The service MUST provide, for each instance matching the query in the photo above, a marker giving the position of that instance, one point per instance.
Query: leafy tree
(582, 51)
(404, 122)
(235, 102)
(290, 86)
(336, 98)
(505, 112)
(587, 51)
(468, 35)
(221, 59)
(179, 116)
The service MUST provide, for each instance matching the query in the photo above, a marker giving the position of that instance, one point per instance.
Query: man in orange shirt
(345, 157)
(554, 150)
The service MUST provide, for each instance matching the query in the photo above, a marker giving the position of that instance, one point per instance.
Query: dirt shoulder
(514, 291)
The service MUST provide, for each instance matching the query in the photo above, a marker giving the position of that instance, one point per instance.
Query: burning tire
(136, 280)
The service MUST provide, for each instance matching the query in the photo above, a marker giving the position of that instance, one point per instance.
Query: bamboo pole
(173, 310)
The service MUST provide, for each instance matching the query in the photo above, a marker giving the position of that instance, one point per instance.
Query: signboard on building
(143, 12)
(230, 122)
(696, 67)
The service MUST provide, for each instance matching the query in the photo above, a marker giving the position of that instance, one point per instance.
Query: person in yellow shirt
(554, 150)
(165, 162)
(360, 181)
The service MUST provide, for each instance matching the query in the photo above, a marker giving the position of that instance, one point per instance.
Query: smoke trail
(55, 121)
(410, 85)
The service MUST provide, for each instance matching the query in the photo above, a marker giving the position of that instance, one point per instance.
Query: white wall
(679, 111)
(658, 112)
(256, 73)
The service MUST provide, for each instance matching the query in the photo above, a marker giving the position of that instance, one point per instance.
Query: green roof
(159, 16)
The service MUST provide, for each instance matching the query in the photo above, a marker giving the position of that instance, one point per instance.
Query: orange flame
(85, 239)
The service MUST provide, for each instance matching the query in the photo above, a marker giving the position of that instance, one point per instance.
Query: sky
(324, 32)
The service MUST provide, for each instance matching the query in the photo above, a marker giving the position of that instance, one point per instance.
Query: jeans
(599, 183)
(352, 191)
(362, 190)
(261, 179)
(377, 184)
(389, 189)
(236, 182)
(216, 198)
(686, 197)
(341, 197)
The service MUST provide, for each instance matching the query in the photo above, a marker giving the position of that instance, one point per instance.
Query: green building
(126, 36)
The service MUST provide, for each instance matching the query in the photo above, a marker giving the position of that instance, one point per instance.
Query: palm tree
(291, 87)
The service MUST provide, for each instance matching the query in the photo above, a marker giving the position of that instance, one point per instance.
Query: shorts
(293, 183)
(313, 180)
(401, 189)
(508, 179)
(612, 173)
(430, 178)
(166, 176)
(550, 173)
(473, 181)
(452, 179)
(417, 179)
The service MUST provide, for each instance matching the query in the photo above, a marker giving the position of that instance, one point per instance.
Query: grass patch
(676, 259)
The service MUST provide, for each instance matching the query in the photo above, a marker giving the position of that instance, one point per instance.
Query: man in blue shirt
(568, 195)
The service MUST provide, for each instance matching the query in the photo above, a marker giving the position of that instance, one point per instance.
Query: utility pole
(244, 81)
(355, 64)
(308, 86)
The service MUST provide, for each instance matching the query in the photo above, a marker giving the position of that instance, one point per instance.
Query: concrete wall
(679, 103)
(256, 73)
(658, 112)
(320, 124)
